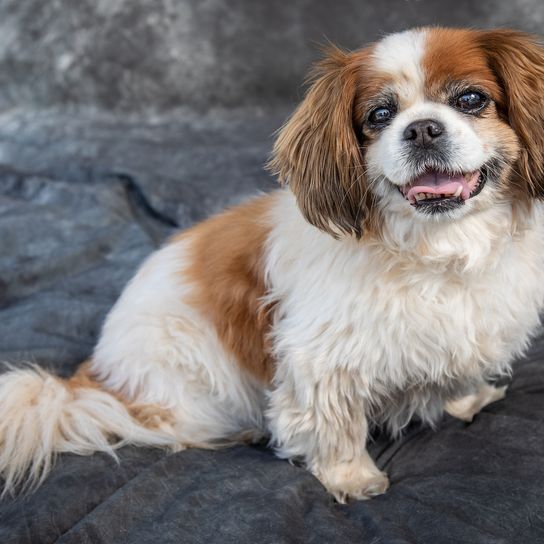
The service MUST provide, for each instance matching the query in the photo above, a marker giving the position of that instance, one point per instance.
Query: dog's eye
(470, 101)
(380, 116)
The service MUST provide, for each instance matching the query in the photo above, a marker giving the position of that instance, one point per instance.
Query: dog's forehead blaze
(398, 59)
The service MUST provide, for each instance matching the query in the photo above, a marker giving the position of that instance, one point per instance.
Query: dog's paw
(467, 407)
(353, 480)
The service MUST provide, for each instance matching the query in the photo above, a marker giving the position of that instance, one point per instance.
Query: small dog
(399, 270)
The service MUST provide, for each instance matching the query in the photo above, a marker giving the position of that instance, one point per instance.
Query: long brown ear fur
(317, 152)
(517, 60)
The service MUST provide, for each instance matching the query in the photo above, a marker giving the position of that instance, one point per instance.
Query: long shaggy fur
(317, 150)
(43, 415)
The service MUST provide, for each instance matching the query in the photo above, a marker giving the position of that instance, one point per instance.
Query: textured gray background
(122, 120)
(158, 54)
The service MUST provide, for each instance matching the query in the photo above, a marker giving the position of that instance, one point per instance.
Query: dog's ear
(317, 151)
(517, 59)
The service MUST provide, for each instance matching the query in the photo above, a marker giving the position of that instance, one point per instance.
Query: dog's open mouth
(436, 192)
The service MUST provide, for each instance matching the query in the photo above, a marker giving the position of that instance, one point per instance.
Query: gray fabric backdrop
(131, 54)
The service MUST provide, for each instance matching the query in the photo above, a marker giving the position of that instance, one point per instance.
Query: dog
(397, 271)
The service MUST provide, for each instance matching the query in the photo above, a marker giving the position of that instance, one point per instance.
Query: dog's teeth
(459, 191)
(420, 196)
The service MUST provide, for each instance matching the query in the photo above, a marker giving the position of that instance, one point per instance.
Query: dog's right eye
(380, 116)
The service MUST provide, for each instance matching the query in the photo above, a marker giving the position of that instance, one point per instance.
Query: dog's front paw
(353, 480)
(467, 407)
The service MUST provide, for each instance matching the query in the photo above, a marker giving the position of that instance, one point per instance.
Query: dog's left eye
(380, 116)
(470, 101)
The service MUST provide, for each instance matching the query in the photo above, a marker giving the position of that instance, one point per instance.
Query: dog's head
(434, 122)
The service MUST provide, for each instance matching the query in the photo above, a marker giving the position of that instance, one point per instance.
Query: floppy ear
(517, 60)
(317, 152)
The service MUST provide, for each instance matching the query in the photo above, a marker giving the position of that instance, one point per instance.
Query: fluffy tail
(41, 415)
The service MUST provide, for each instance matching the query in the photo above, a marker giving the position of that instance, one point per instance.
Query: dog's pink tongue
(438, 183)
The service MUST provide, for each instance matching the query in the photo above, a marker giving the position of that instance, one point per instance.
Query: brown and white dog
(400, 269)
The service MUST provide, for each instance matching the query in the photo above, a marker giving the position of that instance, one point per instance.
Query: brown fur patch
(150, 416)
(509, 66)
(83, 377)
(226, 268)
(454, 55)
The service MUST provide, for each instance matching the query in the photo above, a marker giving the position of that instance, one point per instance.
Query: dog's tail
(42, 415)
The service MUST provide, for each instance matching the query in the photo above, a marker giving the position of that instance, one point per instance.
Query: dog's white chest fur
(430, 310)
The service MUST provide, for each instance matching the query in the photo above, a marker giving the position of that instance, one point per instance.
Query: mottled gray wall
(135, 54)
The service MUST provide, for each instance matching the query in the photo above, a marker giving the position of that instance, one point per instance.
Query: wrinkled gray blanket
(83, 200)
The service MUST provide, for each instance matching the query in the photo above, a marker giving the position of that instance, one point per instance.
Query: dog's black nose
(423, 133)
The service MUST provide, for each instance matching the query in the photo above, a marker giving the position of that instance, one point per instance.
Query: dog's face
(432, 135)
(436, 123)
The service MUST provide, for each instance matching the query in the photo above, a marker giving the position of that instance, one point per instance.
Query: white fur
(394, 327)
(156, 349)
(387, 156)
(400, 56)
